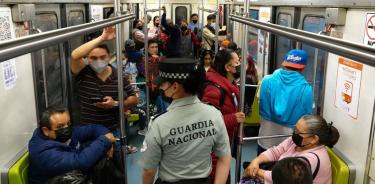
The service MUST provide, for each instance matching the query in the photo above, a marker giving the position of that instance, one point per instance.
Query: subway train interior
(37, 38)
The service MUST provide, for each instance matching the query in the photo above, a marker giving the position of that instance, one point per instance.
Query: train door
(49, 63)
(181, 12)
(74, 14)
(313, 20)
(285, 17)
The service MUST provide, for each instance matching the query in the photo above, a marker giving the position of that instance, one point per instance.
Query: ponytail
(327, 133)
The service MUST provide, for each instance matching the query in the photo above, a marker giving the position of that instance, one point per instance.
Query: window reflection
(283, 44)
(46, 22)
(315, 24)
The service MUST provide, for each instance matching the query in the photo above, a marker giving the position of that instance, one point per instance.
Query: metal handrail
(208, 10)
(265, 137)
(19, 46)
(351, 50)
(154, 10)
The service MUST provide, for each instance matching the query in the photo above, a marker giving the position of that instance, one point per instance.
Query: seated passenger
(56, 146)
(292, 170)
(311, 134)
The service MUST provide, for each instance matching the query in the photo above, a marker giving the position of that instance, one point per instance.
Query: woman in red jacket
(222, 91)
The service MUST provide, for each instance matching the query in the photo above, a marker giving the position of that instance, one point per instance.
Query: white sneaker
(142, 132)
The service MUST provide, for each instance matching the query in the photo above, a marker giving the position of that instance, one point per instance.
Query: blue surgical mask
(99, 65)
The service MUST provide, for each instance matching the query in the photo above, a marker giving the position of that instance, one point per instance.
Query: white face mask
(99, 65)
(213, 24)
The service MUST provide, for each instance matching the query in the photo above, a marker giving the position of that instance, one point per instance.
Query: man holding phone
(98, 82)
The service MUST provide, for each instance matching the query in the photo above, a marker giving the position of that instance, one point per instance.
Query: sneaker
(131, 149)
(142, 132)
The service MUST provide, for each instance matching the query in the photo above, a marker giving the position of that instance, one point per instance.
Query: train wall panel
(18, 112)
(355, 133)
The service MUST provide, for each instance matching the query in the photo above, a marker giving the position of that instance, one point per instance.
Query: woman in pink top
(310, 135)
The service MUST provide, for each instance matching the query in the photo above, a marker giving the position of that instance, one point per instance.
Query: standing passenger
(179, 142)
(209, 37)
(222, 92)
(138, 35)
(98, 83)
(174, 36)
(194, 25)
(285, 96)
(206, 59)
(189, 41)
(155, 29)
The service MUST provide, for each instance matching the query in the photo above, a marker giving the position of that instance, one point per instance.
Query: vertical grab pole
(145, 32)
(202, 19)
(217, 27)
(120, 89)
(159, 9)
(242, 93)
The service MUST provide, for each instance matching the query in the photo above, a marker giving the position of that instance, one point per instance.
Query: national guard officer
(180, 142)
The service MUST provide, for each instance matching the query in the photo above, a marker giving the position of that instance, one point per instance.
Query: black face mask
(165, 98)
(237, 75)
(297, 139)
(195, 21)
(140, 27)
(63, 134)
(183, 28)
(156, 24)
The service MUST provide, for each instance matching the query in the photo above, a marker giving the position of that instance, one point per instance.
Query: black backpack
(222, 92)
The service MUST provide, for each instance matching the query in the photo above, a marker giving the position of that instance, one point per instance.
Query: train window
(181, 14)
(108, 12)
(317, 60)
(50, 56)
(76, 18)
(254, 14)
(253, 36)
(283, 44)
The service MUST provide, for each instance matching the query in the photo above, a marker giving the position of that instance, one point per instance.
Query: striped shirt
(90, 86)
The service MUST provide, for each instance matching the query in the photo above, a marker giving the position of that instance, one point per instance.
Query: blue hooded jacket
(49, 158)
(285, 96)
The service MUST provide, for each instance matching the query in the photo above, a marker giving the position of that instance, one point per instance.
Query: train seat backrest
(253, 118)
(341, 170)
(18, 172)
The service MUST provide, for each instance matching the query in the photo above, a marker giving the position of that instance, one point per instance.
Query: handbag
(107, 172)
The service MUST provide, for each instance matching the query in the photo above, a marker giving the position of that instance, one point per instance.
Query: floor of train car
(134, 171)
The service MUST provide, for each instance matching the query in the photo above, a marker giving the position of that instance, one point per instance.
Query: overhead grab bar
(265, 137)
(19, 46)
(351, 50)
(208, 10)
(154, 10)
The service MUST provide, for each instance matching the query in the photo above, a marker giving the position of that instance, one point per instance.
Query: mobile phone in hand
(96, 99)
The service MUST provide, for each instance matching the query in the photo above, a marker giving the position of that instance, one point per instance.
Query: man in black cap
(180, 141)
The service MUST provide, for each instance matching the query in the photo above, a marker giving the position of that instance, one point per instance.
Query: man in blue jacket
(285, 96)
(56, 146)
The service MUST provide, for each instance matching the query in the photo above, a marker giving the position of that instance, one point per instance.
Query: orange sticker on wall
(349, 74)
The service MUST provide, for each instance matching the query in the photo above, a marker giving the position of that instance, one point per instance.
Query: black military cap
(176, 69)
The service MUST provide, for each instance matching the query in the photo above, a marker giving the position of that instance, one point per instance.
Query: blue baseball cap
(295, 59)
